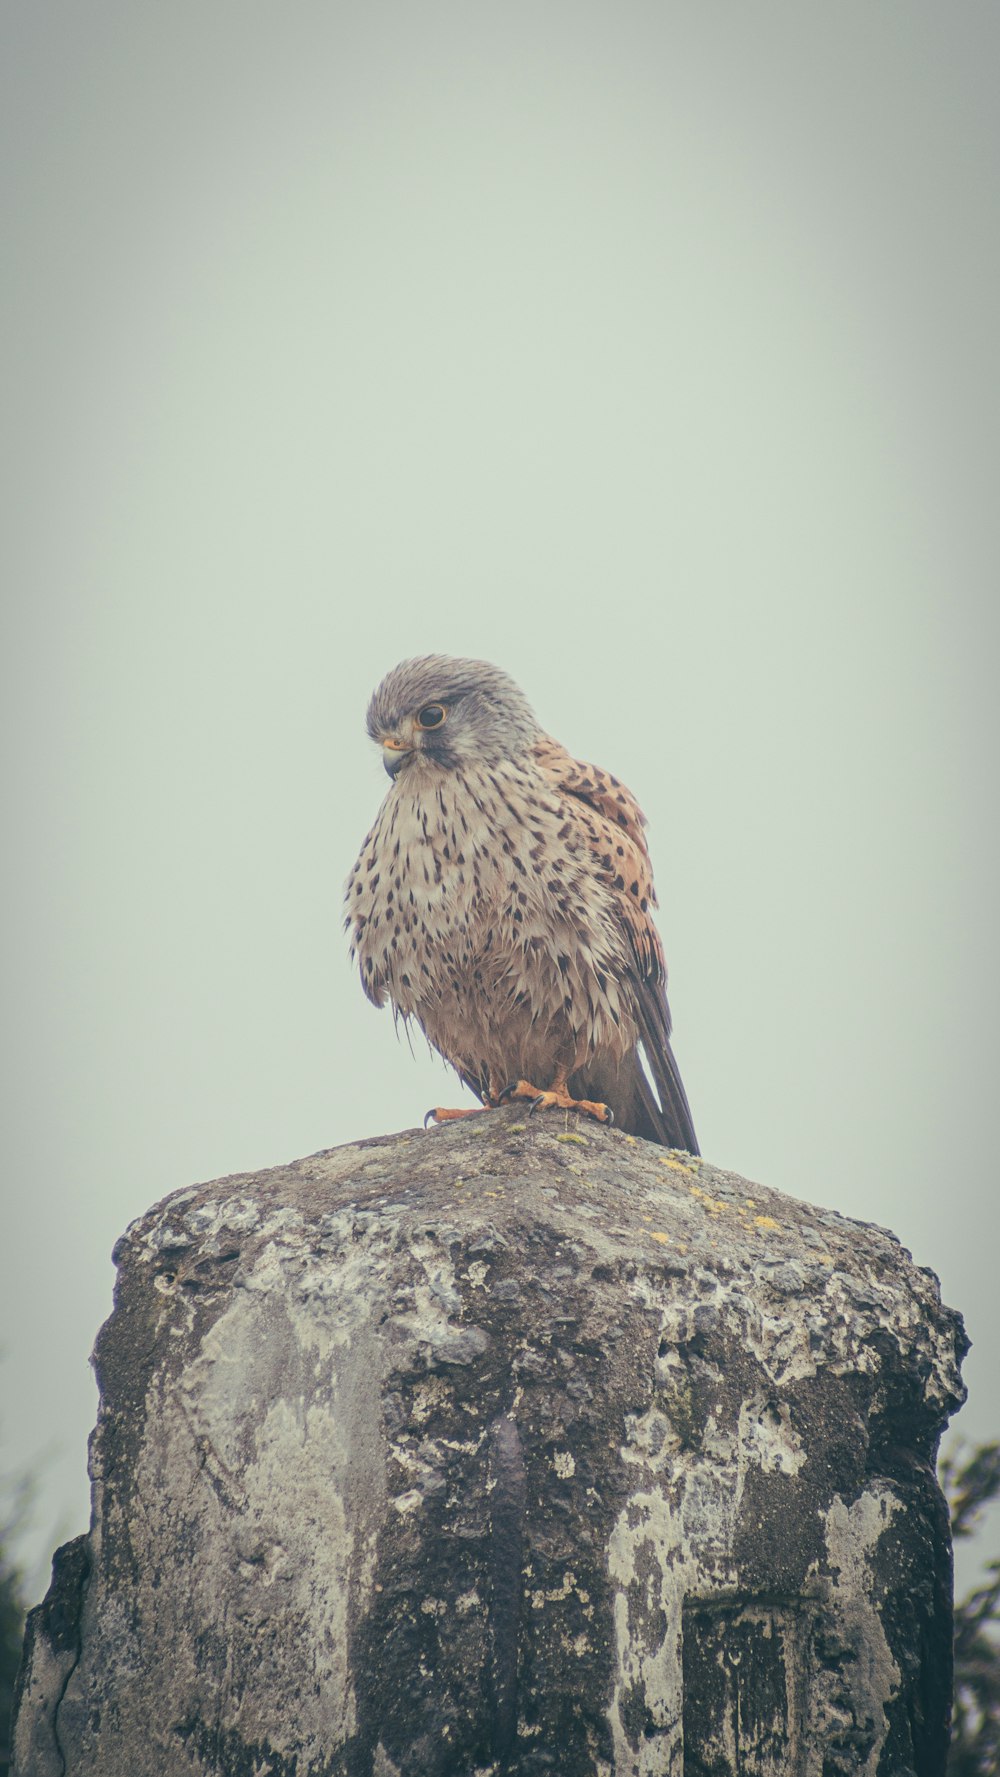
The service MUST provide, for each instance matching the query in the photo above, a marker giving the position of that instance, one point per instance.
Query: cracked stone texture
(516, 1447)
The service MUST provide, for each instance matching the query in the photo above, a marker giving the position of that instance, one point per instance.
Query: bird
(503, 901)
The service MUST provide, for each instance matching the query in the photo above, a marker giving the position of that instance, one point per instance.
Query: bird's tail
(648, 1101)
(661, 1099)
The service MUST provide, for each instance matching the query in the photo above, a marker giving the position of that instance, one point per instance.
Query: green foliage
(971, 1483)
(12, 1613)
(17, 1497)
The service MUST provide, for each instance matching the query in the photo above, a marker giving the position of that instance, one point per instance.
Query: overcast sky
(649, 350)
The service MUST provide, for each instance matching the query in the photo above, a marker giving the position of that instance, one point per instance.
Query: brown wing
(614, 823)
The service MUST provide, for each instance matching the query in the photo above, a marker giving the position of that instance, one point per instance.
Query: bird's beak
(395, 753)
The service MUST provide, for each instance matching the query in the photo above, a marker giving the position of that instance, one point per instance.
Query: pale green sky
(648, 350)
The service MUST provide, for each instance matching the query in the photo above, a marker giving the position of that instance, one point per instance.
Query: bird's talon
(557, 1098)
(440, 1114)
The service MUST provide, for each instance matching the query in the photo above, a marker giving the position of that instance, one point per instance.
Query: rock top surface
(517, 1446)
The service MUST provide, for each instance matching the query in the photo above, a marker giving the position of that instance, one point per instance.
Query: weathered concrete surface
(507, 1448)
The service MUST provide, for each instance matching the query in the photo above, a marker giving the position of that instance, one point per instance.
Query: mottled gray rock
(513, 1448)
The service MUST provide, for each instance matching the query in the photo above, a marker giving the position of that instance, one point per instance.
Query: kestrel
(504, 900)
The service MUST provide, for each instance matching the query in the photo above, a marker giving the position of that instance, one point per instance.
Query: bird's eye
(431, 716)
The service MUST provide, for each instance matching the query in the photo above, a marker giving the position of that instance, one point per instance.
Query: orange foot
(440, 1115)
(557, 1098)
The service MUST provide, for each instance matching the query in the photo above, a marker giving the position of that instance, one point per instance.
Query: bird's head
(448, 712)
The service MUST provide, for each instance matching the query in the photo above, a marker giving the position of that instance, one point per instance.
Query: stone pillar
(509, 1448)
